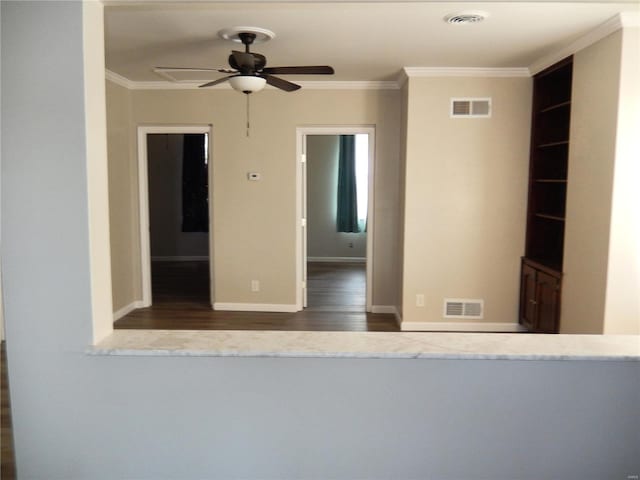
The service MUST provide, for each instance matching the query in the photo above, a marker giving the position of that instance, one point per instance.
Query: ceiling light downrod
(247, 81)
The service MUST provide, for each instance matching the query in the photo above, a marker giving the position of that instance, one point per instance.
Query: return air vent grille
(463, 308)
(471, 107)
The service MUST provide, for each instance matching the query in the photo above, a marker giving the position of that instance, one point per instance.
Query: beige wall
(255, 222)
(589, 188)
(601, 291)
(123, 201)
(622, 310)
(165, 152)
(323, 240)
(465, 197)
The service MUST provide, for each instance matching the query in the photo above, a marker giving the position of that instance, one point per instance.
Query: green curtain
(347, 220)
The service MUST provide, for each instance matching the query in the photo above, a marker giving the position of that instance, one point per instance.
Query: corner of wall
(97, 169)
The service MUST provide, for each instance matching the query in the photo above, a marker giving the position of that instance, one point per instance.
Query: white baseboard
(460, 327)
(338, 259)
(398, 318)
(392, 309)
(118, 314)
(255, 307)
(383, 309)
(180, 258)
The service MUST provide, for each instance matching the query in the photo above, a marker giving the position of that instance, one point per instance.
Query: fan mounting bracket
(235, 34)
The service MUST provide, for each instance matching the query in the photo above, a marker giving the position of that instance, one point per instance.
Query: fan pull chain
(248, 117)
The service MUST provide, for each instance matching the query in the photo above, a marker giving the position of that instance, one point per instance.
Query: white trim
(384, 309)
(119, 79)
(179, 258)
(337, 259)
(127, 309)
(464, 72)
(601, 31)
(460, 327)
(1, 309)
(255, 307)
(301, 136)
(349, 85)
(143, 200)
(398, 318)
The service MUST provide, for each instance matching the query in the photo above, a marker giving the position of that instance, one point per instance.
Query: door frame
(301, 204)
(143, 200)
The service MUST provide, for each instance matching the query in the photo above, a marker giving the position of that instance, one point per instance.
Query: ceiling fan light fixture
(247, 83)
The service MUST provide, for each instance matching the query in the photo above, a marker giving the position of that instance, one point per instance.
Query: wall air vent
(471, 107)
(463, 308)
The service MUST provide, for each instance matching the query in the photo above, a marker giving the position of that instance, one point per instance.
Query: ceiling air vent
(471, 107)
(463, 18)
(463, 308)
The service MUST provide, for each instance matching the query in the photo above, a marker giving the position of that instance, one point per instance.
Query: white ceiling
(363, 41)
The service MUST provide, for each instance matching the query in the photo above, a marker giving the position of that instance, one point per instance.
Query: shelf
(554, 107)
(550, 180)
(546, 208)
(553, 144)
(544, 264)
(549, 217)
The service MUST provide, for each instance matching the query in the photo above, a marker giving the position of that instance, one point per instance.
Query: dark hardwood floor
(336, 299)
(336, 287)
(7, 459)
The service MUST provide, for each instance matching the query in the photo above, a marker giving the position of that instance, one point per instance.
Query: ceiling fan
(249, 70)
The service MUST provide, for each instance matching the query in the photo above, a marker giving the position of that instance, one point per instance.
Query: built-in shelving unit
(547, 197)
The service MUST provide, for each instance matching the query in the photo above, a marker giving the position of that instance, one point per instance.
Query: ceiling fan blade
(188, 69)
(216, 82)
(163, 70)
(309, 70)
(280, 83)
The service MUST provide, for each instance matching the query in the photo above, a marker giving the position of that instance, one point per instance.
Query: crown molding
(410, 72)
(350, 85)
(184, 85)
(615, 23)
(118, 79)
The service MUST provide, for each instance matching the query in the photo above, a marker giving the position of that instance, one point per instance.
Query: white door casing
(301, 205)
(143, 200)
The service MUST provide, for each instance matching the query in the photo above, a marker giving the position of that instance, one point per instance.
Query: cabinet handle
(533, 302)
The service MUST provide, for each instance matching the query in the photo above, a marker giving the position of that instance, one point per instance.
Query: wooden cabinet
(546, 206)
(539, 298)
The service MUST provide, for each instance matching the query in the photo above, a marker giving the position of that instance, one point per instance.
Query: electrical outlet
(350, 244)
(420, 300)
(255, 285)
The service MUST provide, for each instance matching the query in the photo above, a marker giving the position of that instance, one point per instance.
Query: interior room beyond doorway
(337, 184)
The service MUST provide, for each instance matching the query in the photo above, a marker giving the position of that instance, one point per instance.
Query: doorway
(335, 189)
(174, 177)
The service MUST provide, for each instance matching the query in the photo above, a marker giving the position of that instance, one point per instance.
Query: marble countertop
(435, 345)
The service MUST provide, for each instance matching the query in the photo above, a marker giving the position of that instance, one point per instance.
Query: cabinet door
(528, 297)
(547, 293)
